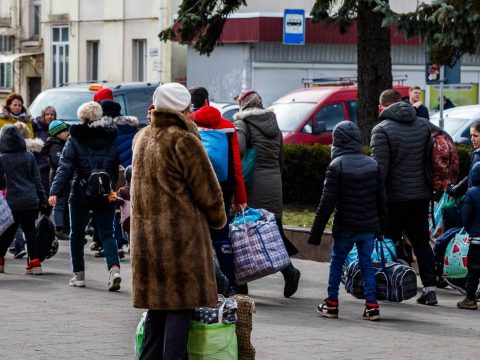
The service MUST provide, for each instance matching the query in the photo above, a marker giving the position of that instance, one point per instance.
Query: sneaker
(12, 250)
(94, 246)
(20, 254)
(328, 309)
(114, 280)
(62, 235)
(100, 253)
(34, 267)
(291, 282)
(2, 265)
(371, 312)
(121, 253)
(467, 303)
(429, 298)
(78, 279)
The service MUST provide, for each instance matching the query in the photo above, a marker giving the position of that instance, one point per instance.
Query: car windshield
(291, 115)
(66, 103)
(451, 125)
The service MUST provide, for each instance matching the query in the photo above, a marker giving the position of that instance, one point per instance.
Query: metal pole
(442, 81)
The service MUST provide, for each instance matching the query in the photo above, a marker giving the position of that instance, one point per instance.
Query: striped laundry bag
(6, 216)
(258, 248)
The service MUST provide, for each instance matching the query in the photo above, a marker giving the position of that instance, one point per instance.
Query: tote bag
(6, 216)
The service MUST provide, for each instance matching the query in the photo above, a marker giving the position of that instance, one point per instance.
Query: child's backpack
(443, 164)
(215, 143)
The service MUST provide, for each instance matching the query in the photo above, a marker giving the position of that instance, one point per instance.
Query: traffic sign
(294, 27)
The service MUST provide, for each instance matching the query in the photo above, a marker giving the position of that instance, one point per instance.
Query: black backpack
(98, 183)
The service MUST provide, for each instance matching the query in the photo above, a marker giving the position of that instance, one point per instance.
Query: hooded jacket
(352, 186)
(175, 197)
(258, 128)
(88, 144)
(210, 117)
(53, 150)
(459, 190)
(40, 131)
(127, 127)
(471, 204)
(399, 145)
(19, 168)
(8, 119)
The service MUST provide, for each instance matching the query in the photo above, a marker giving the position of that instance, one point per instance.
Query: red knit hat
(103, 94)
(244, 94)
(151, 107)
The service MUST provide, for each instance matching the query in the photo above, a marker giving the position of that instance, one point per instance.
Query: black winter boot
(292, 277)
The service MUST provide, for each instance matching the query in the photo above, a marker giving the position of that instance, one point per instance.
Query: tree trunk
(374, 66)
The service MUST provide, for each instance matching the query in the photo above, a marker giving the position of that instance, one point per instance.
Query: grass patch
(301, 215)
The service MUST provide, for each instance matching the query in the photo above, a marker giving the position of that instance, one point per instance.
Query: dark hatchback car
(133, 97)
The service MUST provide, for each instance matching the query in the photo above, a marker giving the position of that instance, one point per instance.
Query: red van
(308, 116)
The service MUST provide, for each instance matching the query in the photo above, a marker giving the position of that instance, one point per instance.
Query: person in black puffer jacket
(399, 144)
(25, 194)
(91, 145)
(353, 187)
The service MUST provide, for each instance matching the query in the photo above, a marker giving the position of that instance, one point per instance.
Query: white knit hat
(172, 96)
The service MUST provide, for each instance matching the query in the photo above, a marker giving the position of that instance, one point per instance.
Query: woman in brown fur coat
(175, 197)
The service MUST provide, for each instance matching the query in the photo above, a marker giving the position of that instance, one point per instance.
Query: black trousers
(166, 335)
(473, 275)
(25, 219)
(411, 217)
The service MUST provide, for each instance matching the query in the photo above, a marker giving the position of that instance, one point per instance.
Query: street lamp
(407, 6)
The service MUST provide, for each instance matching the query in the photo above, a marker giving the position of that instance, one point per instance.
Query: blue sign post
(294, 27)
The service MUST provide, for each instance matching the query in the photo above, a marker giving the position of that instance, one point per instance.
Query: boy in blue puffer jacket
(352, 187)
(471, 222)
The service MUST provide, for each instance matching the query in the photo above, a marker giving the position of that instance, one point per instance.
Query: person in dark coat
(91, 146)
(413, 99)
(25, 194)
(354, 188)
(40, 131)
(257, 127)
(471, 222)
(53, 149)
(399, 144)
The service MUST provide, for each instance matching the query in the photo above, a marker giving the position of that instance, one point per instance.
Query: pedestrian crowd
(158, 190)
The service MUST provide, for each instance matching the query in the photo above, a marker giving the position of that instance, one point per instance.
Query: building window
(93, 60)
(140, 60)
(6, 44)
(36, 18)
(59, 55)
(6, 76)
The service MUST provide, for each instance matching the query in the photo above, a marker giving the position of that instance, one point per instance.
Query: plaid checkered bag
(258, 248)
(6, 217)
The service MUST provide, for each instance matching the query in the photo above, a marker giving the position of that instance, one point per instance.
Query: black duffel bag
(395, 282)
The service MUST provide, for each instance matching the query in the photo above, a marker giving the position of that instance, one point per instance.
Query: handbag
(455, 262)
(394, 282)
(213, 341)
(45, 235)
(6, 216)
(258, 248)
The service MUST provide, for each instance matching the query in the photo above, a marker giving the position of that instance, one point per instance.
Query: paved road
(43, 318)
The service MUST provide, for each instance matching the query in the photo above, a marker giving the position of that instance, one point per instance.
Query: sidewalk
(43, 318)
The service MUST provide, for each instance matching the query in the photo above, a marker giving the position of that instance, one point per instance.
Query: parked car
(228, 110)
(133, 97)
(309, 115)
(457, 122)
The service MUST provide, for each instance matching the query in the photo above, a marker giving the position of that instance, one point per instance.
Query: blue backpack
(216, 144)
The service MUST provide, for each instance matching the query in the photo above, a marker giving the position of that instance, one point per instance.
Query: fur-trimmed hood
(97, 135)
(34, 145)
(263, 119)
(125, 120)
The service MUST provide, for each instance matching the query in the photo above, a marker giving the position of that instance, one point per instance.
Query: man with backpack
(399, 144)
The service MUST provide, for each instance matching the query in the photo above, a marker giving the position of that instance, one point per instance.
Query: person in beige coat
(175, 197)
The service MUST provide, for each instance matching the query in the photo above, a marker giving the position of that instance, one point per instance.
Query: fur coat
(175, 197)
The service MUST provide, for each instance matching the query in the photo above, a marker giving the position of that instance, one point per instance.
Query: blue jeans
(342, 245)
(103, 216)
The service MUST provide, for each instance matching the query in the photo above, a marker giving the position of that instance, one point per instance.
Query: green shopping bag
(455, 262)
(212, 341)
(139, 336)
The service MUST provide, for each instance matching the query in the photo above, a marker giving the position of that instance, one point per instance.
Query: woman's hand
(52, 200)
(240, 207)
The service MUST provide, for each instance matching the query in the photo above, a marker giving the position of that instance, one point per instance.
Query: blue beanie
(56, 127)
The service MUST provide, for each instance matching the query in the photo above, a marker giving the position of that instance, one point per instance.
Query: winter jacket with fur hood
(258, 128)
(209, 117)
(19, 168)
(8, 119)
(127, 127)
(88, 144)
(399, 144)
(352, 186)
(175, 197)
